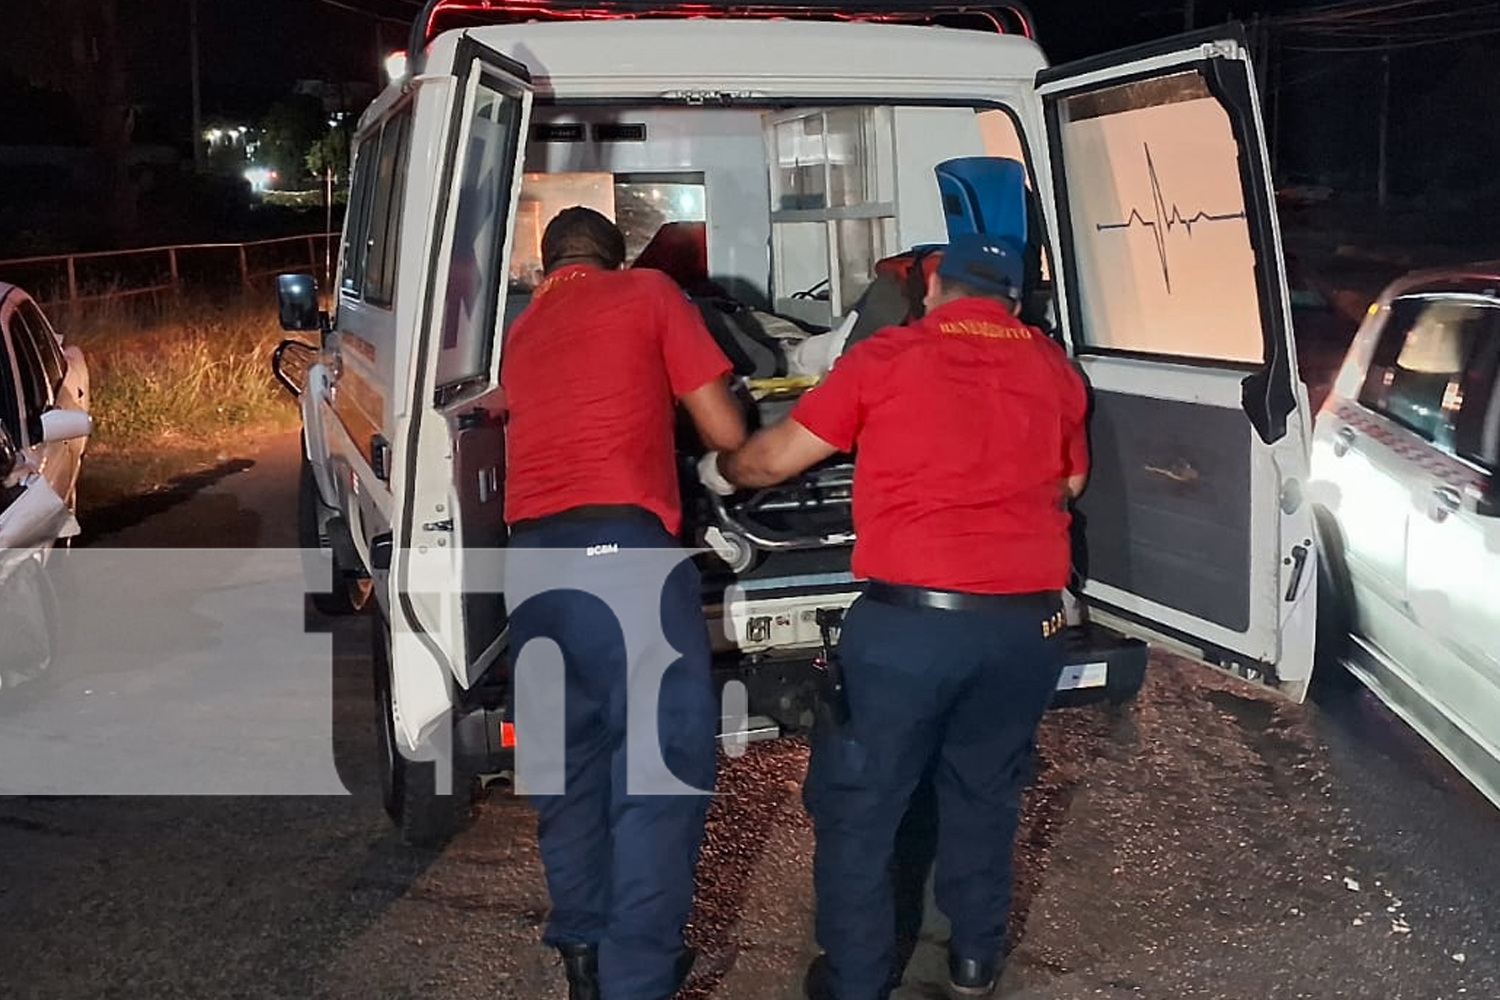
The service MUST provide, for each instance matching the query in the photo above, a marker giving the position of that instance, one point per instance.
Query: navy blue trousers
(620, 865)
(956, 695)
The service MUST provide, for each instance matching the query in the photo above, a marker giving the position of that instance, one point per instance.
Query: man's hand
(775, 454)
(710, 476)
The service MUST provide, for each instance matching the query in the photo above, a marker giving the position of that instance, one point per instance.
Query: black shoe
(682, 971)
(816, 983)
(970, 977)
(581, 964)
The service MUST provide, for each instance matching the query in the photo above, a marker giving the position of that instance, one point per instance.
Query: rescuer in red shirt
(967, 429)
(592, 372)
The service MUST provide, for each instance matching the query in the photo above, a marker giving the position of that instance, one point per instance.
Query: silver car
(1404, 477)
(44, 424)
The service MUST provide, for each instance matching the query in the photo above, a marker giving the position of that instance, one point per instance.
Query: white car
(1403, 477)
(44, 425)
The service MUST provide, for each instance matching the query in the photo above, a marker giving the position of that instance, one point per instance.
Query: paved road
(1205, 842)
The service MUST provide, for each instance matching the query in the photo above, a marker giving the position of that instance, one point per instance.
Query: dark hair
(581, 235)
(956, 289)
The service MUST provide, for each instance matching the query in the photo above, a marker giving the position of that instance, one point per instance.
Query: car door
(64, 380)
(38, 368)
(449, 522)
(1453, 552)
(1193, 529)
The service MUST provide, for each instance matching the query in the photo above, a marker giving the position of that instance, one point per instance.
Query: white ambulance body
(804, 151)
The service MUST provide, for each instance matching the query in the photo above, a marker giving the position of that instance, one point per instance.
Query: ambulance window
(480, 223)
(1155, 208)
(385, 216)
(356, 226)
(833, 207)
(644, 205)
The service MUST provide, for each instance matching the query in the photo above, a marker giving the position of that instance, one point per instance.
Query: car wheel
(28, 621)
(345, 593)
(426, 816)
(1335, 605)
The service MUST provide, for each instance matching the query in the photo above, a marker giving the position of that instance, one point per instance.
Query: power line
(371, 15)
(1394, 46)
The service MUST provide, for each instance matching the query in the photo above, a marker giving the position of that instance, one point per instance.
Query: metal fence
(81, 279)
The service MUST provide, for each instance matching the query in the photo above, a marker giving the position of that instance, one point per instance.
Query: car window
(1415, 376)
(36, 388)
(10, 402)
(1477, 427)
(30, 322)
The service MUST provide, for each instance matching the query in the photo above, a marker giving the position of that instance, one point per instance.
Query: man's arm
(717, 415)
(774, 455)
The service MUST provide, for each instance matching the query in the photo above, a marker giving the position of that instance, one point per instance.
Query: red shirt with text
(591, 372)
(964, 425)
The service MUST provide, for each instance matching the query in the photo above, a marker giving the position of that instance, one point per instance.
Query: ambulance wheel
(345, 594)
(426, 816)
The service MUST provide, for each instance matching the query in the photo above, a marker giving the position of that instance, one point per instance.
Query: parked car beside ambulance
(44, 426)
(805, 145)
(1405, 453)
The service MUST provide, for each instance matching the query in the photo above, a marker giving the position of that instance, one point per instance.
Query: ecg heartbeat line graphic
(1163, 219)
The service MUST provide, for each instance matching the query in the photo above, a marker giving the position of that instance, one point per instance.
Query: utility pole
(1381, 180)
(199, 153)
(1187, 15)
(1275, 104)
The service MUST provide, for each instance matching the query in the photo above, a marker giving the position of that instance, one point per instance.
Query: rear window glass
(1416, 375)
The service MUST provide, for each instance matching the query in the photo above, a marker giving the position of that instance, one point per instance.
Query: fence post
(244, 267)
(172, 264)
(72, 282)
(312, 256)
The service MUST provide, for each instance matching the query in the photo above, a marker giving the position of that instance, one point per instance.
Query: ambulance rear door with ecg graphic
(1172, 294)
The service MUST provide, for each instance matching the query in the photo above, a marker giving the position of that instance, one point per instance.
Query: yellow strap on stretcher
(789, 385)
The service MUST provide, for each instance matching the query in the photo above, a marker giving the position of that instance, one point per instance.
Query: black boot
(970, 977)
(683, 970)
(581, 963)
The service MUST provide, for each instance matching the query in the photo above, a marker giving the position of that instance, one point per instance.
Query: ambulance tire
(343, 596)
(426, 817)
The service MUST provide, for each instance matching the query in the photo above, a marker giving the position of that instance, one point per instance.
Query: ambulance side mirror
(297, 301)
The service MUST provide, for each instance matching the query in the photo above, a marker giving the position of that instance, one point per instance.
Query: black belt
(587, 512)
(902, 595)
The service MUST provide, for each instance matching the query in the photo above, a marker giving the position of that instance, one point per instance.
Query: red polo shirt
(965, 424)
(591, 371)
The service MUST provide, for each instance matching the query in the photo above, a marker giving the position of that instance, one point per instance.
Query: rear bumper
(772, 692)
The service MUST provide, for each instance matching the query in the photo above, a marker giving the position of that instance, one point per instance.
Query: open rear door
(447, 613)
(1193, 530)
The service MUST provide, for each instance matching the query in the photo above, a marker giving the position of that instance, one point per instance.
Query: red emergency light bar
(440, 15)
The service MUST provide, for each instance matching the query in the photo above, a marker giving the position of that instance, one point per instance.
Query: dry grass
(173, 389)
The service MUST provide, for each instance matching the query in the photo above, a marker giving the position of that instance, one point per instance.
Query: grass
(174, 389)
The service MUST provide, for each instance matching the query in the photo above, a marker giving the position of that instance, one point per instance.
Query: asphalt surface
(1207, 841)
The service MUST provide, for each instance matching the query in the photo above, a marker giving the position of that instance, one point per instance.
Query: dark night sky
(253, 50)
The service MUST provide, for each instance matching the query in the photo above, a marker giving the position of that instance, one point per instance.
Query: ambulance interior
(774, 220)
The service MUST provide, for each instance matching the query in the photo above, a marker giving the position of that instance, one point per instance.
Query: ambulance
(775, 158)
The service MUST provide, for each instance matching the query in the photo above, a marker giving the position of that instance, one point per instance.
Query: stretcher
(813, 510)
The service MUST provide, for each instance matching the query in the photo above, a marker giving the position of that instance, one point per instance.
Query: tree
(330, 153)
(287, 135)
(99, 88)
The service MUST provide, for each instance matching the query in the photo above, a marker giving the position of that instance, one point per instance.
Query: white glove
(710, 476)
